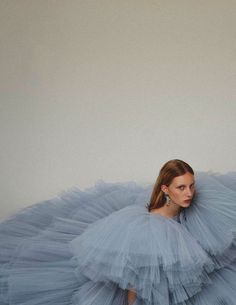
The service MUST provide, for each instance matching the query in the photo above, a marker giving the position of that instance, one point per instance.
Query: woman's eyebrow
(185, 184)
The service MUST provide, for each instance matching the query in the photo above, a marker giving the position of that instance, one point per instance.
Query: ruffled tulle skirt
(89, 247)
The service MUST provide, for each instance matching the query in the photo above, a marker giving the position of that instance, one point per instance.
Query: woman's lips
(188, 201)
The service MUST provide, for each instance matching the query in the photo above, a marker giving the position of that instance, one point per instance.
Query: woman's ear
(164, 188)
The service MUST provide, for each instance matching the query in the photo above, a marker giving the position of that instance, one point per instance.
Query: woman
(104, 247)
(173, 191)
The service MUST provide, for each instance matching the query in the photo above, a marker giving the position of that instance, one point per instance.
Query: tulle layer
(135, 248)
(222, 290)
(211, 219)
(84, 206)
(36, 265)
(69, 251)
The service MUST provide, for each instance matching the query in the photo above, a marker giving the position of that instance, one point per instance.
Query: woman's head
(176, 180)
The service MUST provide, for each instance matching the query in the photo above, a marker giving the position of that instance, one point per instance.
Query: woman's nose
(189, 192)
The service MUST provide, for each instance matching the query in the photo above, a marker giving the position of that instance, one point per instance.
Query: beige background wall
(111, 90)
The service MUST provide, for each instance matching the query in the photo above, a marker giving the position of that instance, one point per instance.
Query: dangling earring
(167, 197)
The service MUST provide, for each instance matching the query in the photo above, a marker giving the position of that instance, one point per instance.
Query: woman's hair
(168, 172)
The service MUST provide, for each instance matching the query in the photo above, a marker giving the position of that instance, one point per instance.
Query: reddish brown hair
(168, 172)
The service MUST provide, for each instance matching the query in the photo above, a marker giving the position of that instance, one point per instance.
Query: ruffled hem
(135, 248)
(34, 242)
(36, 246)
(211, 219)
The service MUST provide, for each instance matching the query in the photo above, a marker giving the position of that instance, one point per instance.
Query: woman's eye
(181, 188)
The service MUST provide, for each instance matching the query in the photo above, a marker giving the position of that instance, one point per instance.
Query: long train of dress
(89, 247)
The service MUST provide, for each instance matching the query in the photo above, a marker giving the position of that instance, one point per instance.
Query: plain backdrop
(111, 90)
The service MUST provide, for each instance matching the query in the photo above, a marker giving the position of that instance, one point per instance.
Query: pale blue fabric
(88, 247)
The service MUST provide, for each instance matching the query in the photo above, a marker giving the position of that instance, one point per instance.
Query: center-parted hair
(168, 172)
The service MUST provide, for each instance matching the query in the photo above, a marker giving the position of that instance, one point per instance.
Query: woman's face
(181, 190)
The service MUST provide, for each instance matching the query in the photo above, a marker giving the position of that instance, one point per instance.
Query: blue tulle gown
(89, 247)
